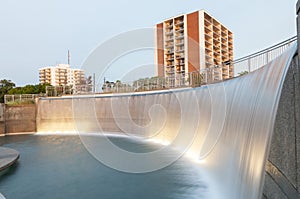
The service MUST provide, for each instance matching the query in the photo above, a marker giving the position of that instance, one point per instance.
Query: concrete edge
(20, 133)
(8, 157)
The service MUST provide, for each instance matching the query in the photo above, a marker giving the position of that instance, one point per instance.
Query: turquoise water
(60, 167)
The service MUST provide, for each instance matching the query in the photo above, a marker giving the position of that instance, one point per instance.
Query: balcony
(179, 22)
(208, 57)
(207, 23)
(170, 58)
(180, 50)
(169, 65)
(208, 32)
(208, 43)
(169, 52)
(217, 48)
(169, 26)
(181, 54)
(168, 33)
(180, 69)
(169, 39)
(179, 30)
(208, 64)
(179, 36)
(170, 71)
(179, 44)
(169, 45)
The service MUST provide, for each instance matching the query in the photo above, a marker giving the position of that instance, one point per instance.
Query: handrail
(283, 43)
(257, 60)
(21, 98)
(193, 79)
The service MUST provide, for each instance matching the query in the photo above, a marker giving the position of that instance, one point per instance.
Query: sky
(35, 33)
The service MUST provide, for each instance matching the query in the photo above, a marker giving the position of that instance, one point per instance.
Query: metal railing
(206, 76)
(21, 98)
(53, 91)
(257, 60)
(194, 79)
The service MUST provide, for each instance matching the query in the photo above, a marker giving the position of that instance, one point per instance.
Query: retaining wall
(2, 119)
(283, 167)
(17, 119)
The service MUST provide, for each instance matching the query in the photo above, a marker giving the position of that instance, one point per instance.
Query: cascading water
(227, 126)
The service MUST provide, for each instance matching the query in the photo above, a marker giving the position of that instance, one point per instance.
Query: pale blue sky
(35, 33)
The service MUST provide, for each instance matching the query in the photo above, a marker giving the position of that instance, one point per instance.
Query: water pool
(53, 166)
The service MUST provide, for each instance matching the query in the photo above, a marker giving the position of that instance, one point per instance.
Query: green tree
(14, 91)
(89, 80)
(243, 73)
(196, 79)
(42, 87)
(5, 86)
(29, 89)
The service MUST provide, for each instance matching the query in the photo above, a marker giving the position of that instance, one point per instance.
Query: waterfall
(227, 127)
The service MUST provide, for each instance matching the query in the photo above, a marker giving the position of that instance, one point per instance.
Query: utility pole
(94, 82)
(69, 58)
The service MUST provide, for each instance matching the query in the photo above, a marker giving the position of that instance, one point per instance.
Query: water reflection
(60, 167)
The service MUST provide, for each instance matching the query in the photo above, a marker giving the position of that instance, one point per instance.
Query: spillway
(227, 127)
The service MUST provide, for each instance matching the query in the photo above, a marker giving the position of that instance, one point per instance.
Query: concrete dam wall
(232, 126)
(17, 119)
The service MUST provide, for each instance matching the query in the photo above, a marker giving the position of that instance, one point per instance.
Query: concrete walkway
(7, 157)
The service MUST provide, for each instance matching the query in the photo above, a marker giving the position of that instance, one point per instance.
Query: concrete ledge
(282, 181)
(8, 157)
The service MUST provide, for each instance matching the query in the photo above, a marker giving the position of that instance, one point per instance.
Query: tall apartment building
(61, 75)
(193, 42)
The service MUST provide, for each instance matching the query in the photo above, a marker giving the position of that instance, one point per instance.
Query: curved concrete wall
(228, 125)
(283, 166)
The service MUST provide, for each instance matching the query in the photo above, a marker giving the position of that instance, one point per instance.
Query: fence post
(249, 66)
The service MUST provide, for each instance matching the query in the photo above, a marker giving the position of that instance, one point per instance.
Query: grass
(18, 103)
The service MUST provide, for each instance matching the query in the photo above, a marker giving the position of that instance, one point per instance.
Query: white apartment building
(61, 75)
